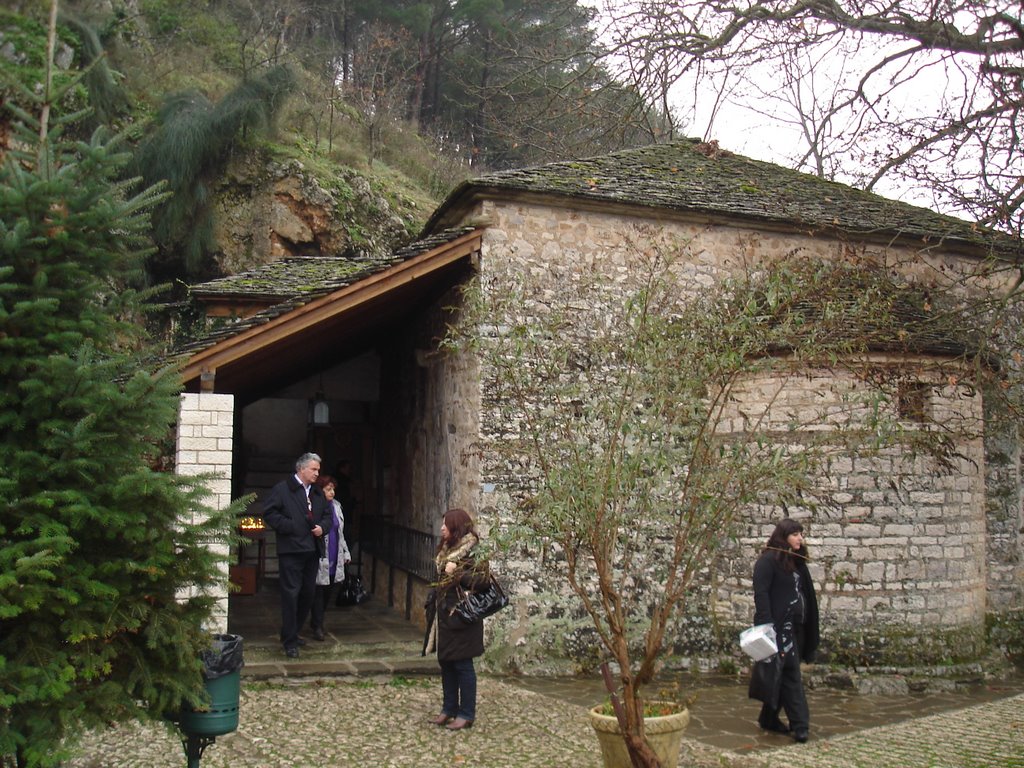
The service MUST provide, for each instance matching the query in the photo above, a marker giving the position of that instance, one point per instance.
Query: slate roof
(292, 276)
(693, 177)
(297, 281)
(922, 331)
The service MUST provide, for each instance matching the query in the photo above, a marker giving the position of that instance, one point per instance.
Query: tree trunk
(630, 713)
(477, 153)
(640, 751)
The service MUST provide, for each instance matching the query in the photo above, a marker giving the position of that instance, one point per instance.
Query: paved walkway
(983, 735)
(363, 698)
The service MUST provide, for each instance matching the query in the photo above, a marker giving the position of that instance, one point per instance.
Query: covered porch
(348, 367)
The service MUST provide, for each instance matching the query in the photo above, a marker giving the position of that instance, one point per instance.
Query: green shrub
(1006, 633)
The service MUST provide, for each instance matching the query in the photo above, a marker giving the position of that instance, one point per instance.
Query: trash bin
(222, 673)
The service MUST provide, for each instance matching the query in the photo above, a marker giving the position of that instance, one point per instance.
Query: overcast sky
(750, 119)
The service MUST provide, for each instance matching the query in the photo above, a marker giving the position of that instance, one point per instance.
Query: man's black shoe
(291, 653)
(800, 736)
(318, 634)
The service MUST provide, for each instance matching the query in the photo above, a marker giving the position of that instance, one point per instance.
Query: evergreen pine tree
(99, 550)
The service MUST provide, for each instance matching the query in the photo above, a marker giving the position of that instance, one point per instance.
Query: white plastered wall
(204, 447)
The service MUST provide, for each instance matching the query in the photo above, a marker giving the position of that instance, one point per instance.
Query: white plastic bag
(759, 642)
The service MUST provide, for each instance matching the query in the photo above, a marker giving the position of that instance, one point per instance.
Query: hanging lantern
(319, 411)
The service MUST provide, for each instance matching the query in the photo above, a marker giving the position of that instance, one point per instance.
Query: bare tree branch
(932, 91)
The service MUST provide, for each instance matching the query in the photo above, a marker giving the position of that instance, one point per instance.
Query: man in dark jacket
(298, 512)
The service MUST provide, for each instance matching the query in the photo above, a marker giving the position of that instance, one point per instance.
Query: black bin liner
(223, 657)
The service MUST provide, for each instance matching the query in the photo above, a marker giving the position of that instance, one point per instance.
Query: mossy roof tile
(296, 282)
(306, 277)
(694, 177)
(290, 276)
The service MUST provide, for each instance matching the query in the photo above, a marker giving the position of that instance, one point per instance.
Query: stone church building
(344, 357)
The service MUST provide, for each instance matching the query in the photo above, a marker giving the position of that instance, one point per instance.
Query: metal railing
(406, 548)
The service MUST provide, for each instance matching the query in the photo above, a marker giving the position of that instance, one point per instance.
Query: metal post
(195, 746)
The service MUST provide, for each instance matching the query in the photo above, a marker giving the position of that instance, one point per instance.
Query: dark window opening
(912, 400)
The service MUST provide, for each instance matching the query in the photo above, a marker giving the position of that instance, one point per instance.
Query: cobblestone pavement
(987, 735)
(382, 721)
(363, 698)
(368, 723)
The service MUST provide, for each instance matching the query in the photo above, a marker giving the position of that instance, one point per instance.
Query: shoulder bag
(323, 567)
(323, 572)
(475, 605)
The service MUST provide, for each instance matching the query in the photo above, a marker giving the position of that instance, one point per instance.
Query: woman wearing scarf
(455, 642)
(337, 552)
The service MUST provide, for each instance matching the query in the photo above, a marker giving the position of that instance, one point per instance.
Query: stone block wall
(428, 437)
(903, 545)
(204, 446)
(1004, 514)
(899, 547)
(431, 425)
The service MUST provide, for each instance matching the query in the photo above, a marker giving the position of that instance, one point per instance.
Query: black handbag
(475, 605)
(351, 592)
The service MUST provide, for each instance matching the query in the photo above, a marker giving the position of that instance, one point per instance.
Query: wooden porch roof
(334, 318)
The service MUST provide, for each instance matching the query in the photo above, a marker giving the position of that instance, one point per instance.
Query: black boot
(769, 721)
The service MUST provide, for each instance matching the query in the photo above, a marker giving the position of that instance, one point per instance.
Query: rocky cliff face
(266, 209)
(272, 200)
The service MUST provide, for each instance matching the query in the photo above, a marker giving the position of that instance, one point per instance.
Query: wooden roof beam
(232, 349)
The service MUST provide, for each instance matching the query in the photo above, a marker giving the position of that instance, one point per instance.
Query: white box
(759, 642)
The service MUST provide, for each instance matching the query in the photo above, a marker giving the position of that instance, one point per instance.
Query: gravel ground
(367, 723)
(382, 722)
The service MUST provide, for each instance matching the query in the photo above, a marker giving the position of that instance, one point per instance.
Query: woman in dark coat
(455, 642)
(784, 596)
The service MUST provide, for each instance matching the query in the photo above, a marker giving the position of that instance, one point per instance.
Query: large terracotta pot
(664, 734)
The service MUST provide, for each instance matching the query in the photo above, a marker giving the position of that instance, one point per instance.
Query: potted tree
(630, 441)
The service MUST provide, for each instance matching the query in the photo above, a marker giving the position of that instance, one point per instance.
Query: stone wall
(429, 422)
(1004, 514)
(899, 551)
(428, 431)
(903, 564)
